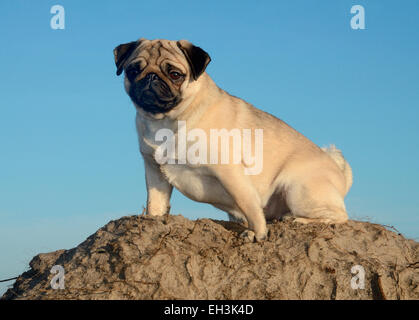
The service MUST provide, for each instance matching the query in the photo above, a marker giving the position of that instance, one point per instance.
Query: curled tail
(337, 156)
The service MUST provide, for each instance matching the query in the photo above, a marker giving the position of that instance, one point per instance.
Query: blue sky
(69, 156)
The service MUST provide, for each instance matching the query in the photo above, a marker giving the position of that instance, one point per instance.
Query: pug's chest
(194, 181)
(197, 183)
(191, 181)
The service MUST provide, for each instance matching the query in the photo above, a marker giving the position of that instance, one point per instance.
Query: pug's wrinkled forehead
(156, 53)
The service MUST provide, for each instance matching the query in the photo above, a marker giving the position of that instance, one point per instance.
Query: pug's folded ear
(197, 58)
(122, 53)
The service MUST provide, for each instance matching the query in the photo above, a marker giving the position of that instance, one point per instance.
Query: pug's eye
(174, 75)
(132, 73)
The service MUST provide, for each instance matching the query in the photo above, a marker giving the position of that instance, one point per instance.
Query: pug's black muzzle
(152, 94)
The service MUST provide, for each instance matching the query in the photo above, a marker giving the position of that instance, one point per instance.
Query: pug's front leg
(158, 190)
(247, 201)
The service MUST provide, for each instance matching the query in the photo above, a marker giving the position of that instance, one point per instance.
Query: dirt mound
(171, 257)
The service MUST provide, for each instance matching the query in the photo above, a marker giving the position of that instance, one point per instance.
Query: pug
(168, 85)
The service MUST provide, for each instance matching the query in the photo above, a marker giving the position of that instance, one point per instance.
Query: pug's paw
(261, 237)
(248, 235)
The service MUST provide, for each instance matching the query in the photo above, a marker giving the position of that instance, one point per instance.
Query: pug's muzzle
(153, 95)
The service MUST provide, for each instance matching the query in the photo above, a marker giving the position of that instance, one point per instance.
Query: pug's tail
(343, 165)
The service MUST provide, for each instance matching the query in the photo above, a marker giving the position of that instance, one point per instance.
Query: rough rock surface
(171, 257)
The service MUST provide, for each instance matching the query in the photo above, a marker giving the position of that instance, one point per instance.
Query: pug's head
(158, 73)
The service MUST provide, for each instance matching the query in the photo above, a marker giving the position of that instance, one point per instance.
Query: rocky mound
(171, 257)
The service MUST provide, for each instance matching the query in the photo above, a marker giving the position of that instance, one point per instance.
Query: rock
(171, 257)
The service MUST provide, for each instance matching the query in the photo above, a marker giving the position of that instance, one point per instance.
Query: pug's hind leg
(317, 203)
(323, 220)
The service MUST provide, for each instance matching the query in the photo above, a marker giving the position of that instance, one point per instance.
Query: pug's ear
(197, 58)
(122, 53)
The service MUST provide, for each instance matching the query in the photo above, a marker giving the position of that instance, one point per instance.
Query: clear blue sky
(69, 157)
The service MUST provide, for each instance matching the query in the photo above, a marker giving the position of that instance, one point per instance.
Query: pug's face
(158, 72)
